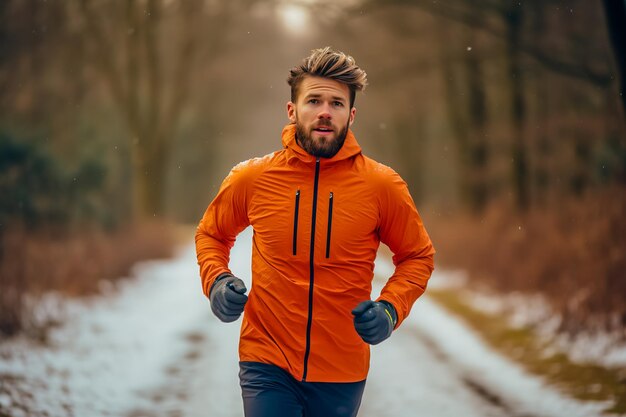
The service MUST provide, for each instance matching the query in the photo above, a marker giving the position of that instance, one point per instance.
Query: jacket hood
(349, 149)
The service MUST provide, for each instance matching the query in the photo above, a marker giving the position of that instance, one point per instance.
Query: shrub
(574, 253)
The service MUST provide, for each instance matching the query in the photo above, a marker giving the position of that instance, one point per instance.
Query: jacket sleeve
(223, 220)
(402, 230)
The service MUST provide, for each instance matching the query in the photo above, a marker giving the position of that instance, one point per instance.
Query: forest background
(120, 118)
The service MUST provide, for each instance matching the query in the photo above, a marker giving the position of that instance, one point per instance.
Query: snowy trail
(155, 349)
(409, 378)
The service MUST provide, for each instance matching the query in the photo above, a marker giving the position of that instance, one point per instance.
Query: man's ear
(352, 116)
(291, 112)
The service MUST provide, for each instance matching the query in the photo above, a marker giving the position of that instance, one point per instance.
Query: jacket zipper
(330, 222)
(295, 222)
(311, 272)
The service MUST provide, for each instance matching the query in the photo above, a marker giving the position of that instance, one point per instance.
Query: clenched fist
(228, 297)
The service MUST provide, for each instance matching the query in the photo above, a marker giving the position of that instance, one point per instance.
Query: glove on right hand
(228, 297)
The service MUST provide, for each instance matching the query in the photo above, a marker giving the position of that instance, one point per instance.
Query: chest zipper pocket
(295, 223)
(330, 223)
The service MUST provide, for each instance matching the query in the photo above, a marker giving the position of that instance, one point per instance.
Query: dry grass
(573, 253)
(33, 263)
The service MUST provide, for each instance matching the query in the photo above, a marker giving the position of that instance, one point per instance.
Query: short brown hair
(327, 63)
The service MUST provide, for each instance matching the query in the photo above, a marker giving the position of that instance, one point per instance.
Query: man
(319, 209)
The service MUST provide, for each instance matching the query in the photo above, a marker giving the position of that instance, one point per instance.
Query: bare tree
(466, 104)
(566, 54)
(493, 20)
(463, 105)
(146, 53)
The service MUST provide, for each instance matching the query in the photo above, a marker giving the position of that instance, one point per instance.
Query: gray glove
(374, 321)
(228, 297)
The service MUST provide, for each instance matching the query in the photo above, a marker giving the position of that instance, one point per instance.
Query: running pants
(269, 391)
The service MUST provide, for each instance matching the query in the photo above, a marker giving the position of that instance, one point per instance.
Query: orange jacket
(317, 227)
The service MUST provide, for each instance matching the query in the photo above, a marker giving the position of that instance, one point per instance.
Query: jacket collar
(349, 149)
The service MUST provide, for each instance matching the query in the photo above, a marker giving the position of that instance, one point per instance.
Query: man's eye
(338, 104)
(313, 101)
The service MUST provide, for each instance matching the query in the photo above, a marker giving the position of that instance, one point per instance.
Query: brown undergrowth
(573, 253)
(33, 263)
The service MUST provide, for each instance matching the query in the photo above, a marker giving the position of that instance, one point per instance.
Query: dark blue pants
(269, 391)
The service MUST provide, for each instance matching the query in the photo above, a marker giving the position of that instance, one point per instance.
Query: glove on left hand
(374, 321)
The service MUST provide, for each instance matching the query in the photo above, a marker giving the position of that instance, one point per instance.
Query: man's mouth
(323, 129)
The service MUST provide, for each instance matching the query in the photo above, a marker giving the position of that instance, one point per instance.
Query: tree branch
(447, 10)
(103, 53)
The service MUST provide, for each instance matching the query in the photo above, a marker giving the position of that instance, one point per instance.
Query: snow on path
(113, 349)
(493, 377)
(155, 349)
(407, 378)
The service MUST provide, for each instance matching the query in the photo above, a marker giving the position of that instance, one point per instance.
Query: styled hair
(327, 63)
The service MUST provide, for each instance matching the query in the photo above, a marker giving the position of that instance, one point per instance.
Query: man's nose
(324, 112)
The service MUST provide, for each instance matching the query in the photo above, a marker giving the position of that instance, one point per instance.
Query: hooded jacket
(317, 223)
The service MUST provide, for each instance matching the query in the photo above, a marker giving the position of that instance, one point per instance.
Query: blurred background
(120, 118)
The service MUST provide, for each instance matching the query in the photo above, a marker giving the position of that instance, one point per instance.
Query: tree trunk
(477, 147)
(519, 153)
(454, 106)
(467, 112)
(541, 170)
(615, 11)
(151, 165)
(410, 151)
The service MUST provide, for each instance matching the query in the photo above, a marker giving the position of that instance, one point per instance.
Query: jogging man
(319, 209)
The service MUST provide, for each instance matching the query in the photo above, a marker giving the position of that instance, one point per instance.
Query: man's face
(322, 115)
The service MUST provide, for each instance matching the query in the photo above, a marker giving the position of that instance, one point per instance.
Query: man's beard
(324, 147)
